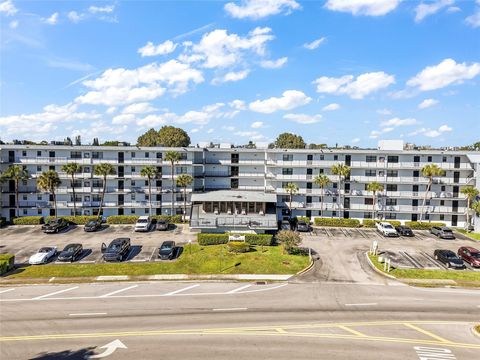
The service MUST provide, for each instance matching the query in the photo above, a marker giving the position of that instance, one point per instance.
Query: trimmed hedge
(368, 223)
(7, 263)
(259, 239)
(337, 222)
(78, 220)
(28, 220)
(132, 219)
(238, 247)
(415, 225)
(304, 218)
(172, 219)
(251, 239)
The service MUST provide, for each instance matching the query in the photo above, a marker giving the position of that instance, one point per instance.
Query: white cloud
(355, 141)
(290, 99)
(257, 125)
(232, 76)
(238, 104)
(100, 129)
(395, 122)
(314, 44)
(123, 119)
(101, 9)
(453, 9)
(52, 19)
(13, 24)
(211, 130)
(117, 96)
(253, 135)
(75, 17)
(384, 112)
(257, 9)
(432, 133)
(474, 19)
(8, 8)
(356, 88)
(274, 64)
(363, 7)
(427, 103)
(446, 73)
(331, 107)
(228, 128)
(303, 118)
(374, 134)
(194, 130)
(139, 108)
(426, 9)
(164, 48)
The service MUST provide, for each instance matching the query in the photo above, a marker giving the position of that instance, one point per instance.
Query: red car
(470, 255)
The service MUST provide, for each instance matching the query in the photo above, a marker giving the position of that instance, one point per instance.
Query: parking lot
(24, 241)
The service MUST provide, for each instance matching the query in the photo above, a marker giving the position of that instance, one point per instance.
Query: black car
(303, 226)
(449, 258)
(71, 252)
(55, 225)
(117, 250)
(162, 225)
(404, 230)
(93, 225)
(167, 250)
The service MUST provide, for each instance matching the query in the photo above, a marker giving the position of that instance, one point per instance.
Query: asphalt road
(219, 320)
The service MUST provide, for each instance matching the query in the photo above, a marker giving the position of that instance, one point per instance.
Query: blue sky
(336, 71)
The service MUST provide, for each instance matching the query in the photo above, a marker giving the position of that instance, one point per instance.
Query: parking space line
(6, 290)
(230, 309)
(118, 291)
(88, 314)
(428, 333)
(362, 304)
(153, 254)
(239, 289)
(54, 293)
(351, 331)
(182, 290)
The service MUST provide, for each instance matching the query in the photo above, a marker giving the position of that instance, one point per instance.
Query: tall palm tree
(183, 181)
(291, 189)
(16, 173)
(173, 157)
(71, 169)
(430, 172)
(49, 181)
(103, 170)
(342, 171)
(374, 187)
(150, 172)
(471, 194)
(322, 181)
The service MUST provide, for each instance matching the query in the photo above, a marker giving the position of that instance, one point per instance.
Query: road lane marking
(280, 330)
(351, 331)
(54, 293)
(181, 290)
(428, 333)
(425, 353)
(88, 314)
(362, 304)
(118, 291)
(239, 289)
(230, 309)
(6, 290)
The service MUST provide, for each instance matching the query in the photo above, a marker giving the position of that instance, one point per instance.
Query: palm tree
(173, 157)
(183, 181)
(342, 171)
(150, 172)
(16, 173)
(471, 194)
(430, 171)
(291, 189)
(49, 181)
(72, 169)
(103, 170)
(322, 181)
(374, 187)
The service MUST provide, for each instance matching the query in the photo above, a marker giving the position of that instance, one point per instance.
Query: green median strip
(474, 236)
(213, 259)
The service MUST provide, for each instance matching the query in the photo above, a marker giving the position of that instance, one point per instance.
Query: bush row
(238, 247)
(3, 221)
(81, 219)
(132, 219)
(304, 218)
(337, 222)
(7, 263)
(415, 225)
(368, 223)
(28, 220)
(251, 239)
(78, 220)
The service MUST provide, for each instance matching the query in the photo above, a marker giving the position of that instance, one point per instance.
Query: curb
(475, 331)
(309, 266)
(377, 270)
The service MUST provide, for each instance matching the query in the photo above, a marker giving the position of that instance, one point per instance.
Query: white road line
(364, 304)
(230, 309)
(54, 293)
(181, 290)
(239, 289)
(6, 290)
(88, 314)
(118, 291)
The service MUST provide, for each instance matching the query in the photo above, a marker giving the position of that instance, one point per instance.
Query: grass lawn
(474, 236)
(213, 259)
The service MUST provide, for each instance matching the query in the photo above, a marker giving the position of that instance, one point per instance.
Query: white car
(143, 223)
(386, 229)
(43, 255)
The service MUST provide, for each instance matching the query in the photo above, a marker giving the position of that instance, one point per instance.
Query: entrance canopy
(234, 195)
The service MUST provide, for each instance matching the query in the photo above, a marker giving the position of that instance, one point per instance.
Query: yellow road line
(354, 332)
(428, 333)
(281, 331)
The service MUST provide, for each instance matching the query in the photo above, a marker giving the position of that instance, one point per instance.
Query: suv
(386, 229)
(55, 225)
(470, 255)
(303, 226)
(167, 250)
(118, 250)
(449, 258)
(442, 232)
(162, 225)
(143, 223)
(404, 230)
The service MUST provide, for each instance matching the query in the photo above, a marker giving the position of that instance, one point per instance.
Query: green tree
(430, 172)
(342, 171)
(322, 181)
(168, 136)
(16, 173)
(471, 193)
(289, 141)
(103, 170)
(71, 169)
(148, 139)
(150, 172)
(289, 239)
(374, 187)
(173, 157)
(476, 207)
(183, 181)
(291, 189)
(49, 181)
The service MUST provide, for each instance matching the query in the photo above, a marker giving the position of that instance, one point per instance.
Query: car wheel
(448, 265)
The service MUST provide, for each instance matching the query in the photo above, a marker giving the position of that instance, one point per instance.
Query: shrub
(7, 263)
(3, 222)
(289, 239)
(304, 218)
(337, 222)
(172, 219)
(371, 223)
(238, 247)
(259, 239)
(212, 239)
(78, 220)
(28, 220)
(295, 250)
(122, 219)
(415, 225)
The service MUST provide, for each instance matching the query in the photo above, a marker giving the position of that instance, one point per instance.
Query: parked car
(71, 252)
(404, 231)
(117, 250)
(386, 229)
(285, 225)
(143, 223)
(303, 226)
(442, 232)
(167, 250)
(162, 225)
(43, 255)
(93, 225)
(449, 258)
(470, 255)
(55, 225)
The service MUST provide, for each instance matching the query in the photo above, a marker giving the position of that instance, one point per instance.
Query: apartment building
(241, 174)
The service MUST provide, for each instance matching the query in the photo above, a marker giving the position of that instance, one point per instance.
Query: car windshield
(44, 250)
(165, 247)
(70, 248)
(476, 255)
(54, 221)
(447, 230)
(142, 221)
(388, 226)
(91, 223)
(450, 255)
(114, 247)
(303, 223)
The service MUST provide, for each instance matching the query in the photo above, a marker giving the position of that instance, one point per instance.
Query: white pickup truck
(386, 229)
(143, 223)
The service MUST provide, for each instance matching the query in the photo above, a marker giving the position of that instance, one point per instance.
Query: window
(133, 182)
(132, 211)
(25, 212)
(86, 155)
(442, 202)
(181, 170)
(370, 173)
(444, 159)
(287, 171)
(371, 158)
(367, 215)
(86, 184)
(39, 211)
(51, 167)
(322, 157)
(392, 173)
(429, 159)
(39, 168)
(368, 201)
(335, 157)
(334, 213)
(392, 187)
(97, 155)
(284, 184)
(133, 196)
(287, 157)
(24, 153)
(25, 197)
(442, 217)
(39, 197)
(39, 153)
(159, 155)
(285, 198)
(443, 188)
(86, 169)
(390, 216)
(133, 154)
(146, 182)
(133, 169)
(75, 154)
(147, 155)
(392, 159)
(391, 202)
(97, 183)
